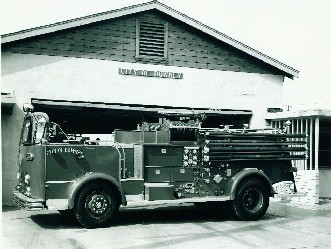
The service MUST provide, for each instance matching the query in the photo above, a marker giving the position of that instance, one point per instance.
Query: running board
(143, 203)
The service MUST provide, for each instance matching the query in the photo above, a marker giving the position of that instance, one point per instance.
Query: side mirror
(52, 130)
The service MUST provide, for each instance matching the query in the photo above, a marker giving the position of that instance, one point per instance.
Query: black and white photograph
(165, 124)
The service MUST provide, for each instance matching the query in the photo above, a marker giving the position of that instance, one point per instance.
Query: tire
(251, 200)
(96, 205)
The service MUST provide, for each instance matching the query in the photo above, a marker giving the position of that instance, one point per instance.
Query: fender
(89, 177)
(232, 185)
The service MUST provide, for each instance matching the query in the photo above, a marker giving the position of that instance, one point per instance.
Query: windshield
(40, 122)
(26, 134)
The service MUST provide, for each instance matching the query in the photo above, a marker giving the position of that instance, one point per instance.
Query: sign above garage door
(149, 73)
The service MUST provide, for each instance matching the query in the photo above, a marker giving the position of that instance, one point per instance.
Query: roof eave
(72, 23)
(289, 71)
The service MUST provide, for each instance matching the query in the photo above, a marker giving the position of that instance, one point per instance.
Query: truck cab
(158, 163)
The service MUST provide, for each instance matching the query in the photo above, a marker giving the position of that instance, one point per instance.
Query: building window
(151, 40)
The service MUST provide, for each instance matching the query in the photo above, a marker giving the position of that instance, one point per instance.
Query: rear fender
(233, 184)
(80, 182)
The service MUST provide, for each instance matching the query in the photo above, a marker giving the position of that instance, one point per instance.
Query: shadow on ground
(146, 216)
(9, 208)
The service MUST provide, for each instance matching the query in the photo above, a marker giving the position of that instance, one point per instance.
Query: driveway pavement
(285, 225)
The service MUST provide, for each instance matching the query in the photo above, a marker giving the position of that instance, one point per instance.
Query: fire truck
(158, 163)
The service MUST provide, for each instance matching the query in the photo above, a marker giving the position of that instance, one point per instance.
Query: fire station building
(115, 69)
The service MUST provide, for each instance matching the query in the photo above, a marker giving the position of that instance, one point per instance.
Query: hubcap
(253, 200)
(97, 204)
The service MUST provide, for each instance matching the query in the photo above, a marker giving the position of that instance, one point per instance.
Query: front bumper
(27, 203)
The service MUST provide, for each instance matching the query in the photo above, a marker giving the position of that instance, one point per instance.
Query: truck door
(66, 163)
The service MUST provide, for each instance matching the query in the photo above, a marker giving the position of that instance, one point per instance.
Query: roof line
(235, 43)
(10, 37)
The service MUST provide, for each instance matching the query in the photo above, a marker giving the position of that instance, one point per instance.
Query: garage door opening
(102, 118)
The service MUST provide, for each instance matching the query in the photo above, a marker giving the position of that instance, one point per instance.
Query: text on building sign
(147, 73)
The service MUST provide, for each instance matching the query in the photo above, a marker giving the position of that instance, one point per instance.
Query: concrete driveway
(182, 226)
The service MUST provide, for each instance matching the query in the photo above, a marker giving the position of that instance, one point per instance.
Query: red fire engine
(172, 162)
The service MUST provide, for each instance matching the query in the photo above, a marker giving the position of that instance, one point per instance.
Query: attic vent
(151, 40)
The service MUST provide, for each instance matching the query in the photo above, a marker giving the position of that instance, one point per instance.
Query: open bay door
(78, 117)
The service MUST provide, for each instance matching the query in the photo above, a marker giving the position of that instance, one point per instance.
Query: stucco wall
(96, 80)
(325, 183)
(10, 133)
(307, 182)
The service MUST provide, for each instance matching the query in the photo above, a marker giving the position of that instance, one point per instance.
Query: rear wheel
(252, 200)
(96, 205)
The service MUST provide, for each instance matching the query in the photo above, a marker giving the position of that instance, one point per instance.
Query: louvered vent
(151, 39)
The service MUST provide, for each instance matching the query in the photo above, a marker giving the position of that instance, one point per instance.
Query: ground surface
(182, 226)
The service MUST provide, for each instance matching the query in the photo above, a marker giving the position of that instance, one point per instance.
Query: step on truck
(167, 163)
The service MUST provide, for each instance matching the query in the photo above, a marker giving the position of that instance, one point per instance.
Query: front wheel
(96, 205)
(252, 200)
